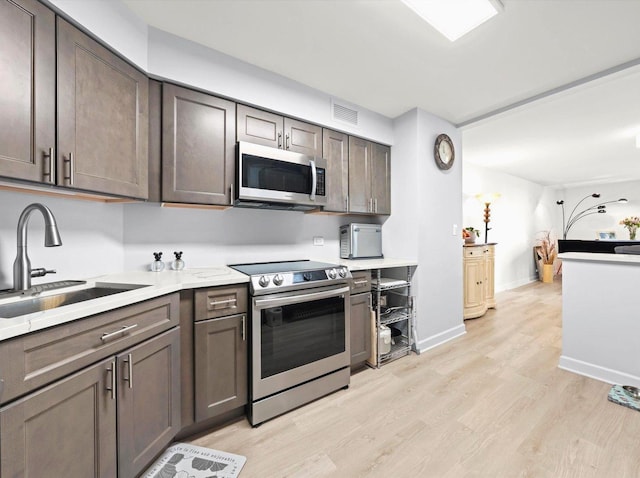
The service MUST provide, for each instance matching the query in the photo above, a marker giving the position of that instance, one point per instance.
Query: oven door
(275, 175)
(298, 336)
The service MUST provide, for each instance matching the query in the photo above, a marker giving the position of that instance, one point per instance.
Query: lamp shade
(488, 197)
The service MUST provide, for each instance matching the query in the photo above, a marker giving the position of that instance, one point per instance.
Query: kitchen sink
(29, 304)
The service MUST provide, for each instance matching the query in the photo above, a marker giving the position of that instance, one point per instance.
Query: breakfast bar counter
(600, 316)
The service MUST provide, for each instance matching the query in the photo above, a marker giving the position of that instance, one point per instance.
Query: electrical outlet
(454, 230)
(318, 241)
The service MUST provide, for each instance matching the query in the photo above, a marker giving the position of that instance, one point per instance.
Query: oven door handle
(294, 299)
(314, 179)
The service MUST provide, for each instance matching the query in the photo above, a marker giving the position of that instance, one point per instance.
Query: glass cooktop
(260, 268)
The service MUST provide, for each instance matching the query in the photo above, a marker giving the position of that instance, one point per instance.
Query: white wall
(92, 237)
(517, 217)
(183, 61)
(210, 237)
(426, 205)
(588, 227)
(110, 21)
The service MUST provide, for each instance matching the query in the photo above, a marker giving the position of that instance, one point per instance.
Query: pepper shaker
(157, 265)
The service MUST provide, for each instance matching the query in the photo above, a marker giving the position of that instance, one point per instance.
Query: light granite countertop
(599, 257)
(156, 284)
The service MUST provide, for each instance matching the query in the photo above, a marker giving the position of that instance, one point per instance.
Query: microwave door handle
(314, 179)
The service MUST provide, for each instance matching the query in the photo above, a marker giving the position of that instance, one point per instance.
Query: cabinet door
(359, 175)
(489, 278)
(220, 365)
(148, 401)
(301, 137)
(102, 118)
(335, 149)
(27, 90)
(381, 178)
(260, 127)
(474, 304)
(360, 328)
(66, 429)
(198, 147)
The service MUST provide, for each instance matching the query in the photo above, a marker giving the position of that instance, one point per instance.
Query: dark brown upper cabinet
(198, 147)
(262, 127)
(369, 177)
(27, 91)
(102, 104)
(335, 149)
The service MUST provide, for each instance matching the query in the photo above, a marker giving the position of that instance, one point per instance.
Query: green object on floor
(618, 395)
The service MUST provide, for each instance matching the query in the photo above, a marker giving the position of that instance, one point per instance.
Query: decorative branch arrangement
(546, 248)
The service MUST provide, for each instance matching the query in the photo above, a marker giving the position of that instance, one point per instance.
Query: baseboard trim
(515, 284)
(597, 372)
(441, 338)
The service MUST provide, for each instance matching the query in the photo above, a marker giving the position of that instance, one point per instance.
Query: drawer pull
(243, 328)
(360, 282)
(215, 303)
(125, 328)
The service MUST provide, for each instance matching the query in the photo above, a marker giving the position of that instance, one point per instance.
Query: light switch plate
(318, 241)
(454, 230)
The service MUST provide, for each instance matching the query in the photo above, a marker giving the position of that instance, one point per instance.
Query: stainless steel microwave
(273, 178)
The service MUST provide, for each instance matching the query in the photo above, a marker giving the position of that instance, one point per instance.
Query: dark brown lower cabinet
(148, 401)
(221, 373)
(69, 428)
(66, 429)
(360, 328)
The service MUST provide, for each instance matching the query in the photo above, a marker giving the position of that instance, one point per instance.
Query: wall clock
(443, 152)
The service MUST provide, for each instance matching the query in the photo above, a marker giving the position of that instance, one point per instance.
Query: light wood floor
(489, 404)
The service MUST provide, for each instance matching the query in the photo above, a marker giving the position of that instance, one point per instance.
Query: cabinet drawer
(361, 282)
(220, 301)
(475, 251)
(30, 361)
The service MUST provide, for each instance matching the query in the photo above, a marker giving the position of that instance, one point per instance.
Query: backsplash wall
(213, 237)
(92, 239)
(101, 238)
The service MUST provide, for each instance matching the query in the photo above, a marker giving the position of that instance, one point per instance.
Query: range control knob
(332, 274)
(264, 281)
(278, 279)
(342, 272)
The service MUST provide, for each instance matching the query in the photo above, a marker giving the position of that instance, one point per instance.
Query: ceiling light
(454, 18)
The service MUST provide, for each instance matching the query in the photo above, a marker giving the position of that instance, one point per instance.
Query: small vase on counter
(157, 265)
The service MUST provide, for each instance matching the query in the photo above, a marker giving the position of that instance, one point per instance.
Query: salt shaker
(178, 263)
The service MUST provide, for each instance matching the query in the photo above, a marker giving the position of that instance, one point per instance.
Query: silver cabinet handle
(286, 141)
(112, 371)
(280, 140)
(231, 194)
(359, 282)
(129, 362)
(215, 303)
(346, 203)
(243, 327)
(125, 328)
(52, 166)
(375, 205)
(70, 177)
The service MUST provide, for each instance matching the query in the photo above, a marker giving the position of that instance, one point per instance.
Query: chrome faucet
(22, 272)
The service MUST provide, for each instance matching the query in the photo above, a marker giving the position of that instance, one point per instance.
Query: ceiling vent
(342, 113)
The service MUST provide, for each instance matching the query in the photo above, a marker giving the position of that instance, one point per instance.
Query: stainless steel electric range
(299, 331)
